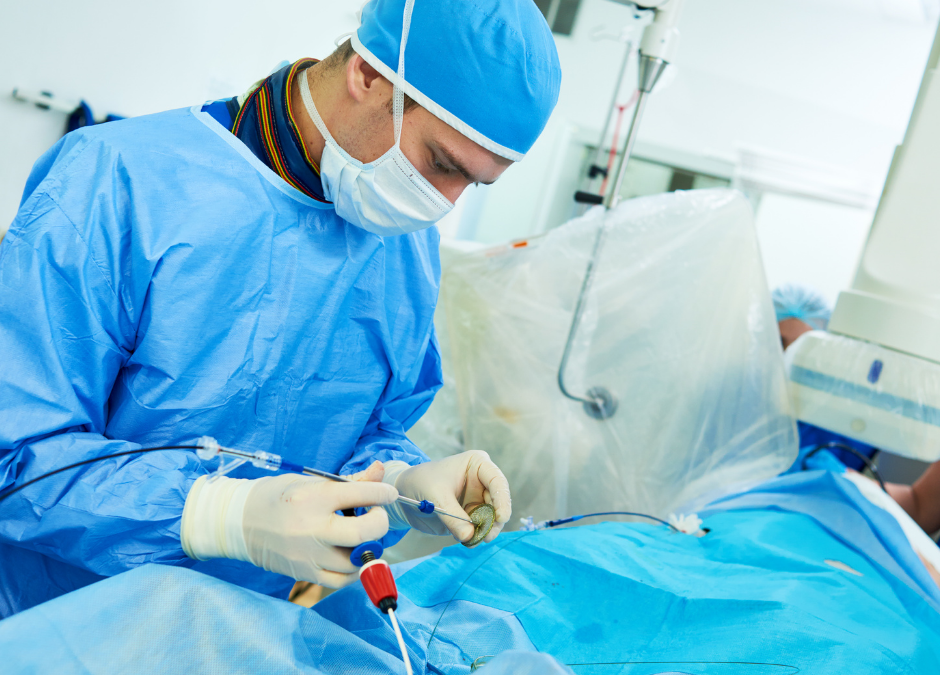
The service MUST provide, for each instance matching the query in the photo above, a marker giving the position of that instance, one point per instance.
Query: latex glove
(286, 524)
(450, 484)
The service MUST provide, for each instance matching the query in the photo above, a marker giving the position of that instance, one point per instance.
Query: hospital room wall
(814, 80)
(806, 78)
(135, 58)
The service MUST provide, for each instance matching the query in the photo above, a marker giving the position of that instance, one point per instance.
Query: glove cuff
(212, 519)
(396, 514)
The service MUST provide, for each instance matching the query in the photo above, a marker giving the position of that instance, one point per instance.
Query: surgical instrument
(209, 448)
(379, 583)
(483, 517)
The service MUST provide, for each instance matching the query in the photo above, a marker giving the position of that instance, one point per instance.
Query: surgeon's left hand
(450, 484)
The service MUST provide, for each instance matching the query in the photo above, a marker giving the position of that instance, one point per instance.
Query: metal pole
(600, 402)
(612, 198)
(599, 405)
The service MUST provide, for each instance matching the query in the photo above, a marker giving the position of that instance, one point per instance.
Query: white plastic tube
(401, 641)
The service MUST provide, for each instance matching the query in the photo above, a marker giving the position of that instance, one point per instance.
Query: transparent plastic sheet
(679, 326)
(879, 396)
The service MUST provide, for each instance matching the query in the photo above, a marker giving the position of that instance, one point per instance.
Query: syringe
(209, 449)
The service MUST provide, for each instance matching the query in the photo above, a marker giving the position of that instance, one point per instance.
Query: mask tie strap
(398, 95)
(312, 109)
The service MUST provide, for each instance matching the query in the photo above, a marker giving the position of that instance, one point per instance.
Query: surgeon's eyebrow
(449, 156)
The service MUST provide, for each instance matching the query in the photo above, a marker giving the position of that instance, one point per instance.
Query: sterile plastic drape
(679, 326)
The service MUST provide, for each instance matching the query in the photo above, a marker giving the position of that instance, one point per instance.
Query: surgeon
(263, 270)
(799, 310)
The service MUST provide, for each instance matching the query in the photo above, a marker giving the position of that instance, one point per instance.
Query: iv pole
(660, 41)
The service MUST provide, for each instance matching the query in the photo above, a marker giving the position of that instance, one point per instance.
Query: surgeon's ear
(365, 84)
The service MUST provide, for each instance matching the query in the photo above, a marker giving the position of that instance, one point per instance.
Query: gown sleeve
(66, 329)
(398, 410)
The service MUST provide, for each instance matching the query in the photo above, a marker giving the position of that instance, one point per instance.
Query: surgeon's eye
(441, 168)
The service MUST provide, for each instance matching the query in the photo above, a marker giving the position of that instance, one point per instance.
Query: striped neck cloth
(266, 124)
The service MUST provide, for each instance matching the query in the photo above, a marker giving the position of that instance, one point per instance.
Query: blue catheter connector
(361, 554)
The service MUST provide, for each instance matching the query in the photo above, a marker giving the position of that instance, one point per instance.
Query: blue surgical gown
(160, 283)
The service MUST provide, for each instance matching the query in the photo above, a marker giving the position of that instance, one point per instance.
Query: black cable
(842, 446)
(571, 519)
(794, 669)
(13, 491)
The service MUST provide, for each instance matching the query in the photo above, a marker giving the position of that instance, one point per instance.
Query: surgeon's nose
(450, 186)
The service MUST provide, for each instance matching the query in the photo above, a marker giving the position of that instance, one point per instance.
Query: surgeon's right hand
(286, 524)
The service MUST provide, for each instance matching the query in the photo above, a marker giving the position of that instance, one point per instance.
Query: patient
(922, 499)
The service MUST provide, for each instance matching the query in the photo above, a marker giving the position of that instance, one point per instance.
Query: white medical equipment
(876, 376)
(45, 100)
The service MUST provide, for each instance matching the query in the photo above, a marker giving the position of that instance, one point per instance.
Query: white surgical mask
(386, 197)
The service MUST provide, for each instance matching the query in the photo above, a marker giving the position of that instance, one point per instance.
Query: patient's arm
(931, 570)
(922, 499)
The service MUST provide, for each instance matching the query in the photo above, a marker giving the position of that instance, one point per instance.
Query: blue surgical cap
(487, 68)
(799, 302)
